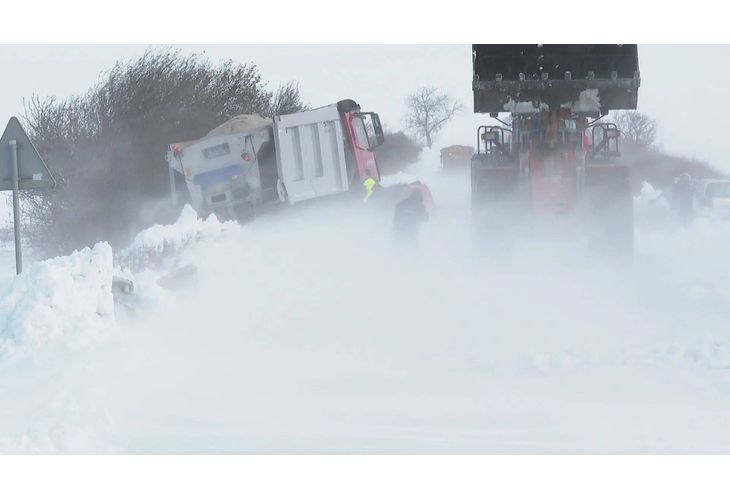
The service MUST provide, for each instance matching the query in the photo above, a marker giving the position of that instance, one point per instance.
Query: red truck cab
(363, 133)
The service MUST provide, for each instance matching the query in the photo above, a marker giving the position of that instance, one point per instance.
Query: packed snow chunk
(649, 194)
(65, 299)
(153, 245)
(588, 101)
(188, 227)
(524, 107)
(396, 179)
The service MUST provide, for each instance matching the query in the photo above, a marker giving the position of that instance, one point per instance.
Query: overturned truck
(252, 162)
(556, 155)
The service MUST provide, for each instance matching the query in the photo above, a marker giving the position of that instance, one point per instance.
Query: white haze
(306, 333)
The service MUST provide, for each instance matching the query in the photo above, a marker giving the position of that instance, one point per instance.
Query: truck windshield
(361, 133)
(718, 190)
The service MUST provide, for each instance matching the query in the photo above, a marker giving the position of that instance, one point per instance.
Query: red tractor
(555, 156)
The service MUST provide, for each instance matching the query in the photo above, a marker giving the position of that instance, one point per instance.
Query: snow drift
(306, 332)
(66, 299)
(160, 243)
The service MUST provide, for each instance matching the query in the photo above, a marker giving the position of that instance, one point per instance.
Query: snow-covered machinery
(456, 157)
(555, 155)
(250, 161)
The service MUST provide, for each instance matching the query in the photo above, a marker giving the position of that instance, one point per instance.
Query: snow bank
(187, 229)
(69, 300)
(66, 299)
(153, 246)
(62, 331)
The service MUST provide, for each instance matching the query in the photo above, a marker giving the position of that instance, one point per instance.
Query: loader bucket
(529, 78)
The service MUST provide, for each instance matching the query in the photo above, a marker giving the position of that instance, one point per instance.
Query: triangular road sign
(32, 170)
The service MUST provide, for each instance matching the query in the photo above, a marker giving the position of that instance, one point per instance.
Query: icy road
(306, 334)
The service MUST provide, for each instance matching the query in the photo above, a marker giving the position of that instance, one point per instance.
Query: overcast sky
(682, 86)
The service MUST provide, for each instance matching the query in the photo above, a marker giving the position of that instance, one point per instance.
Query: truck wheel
(281, 190)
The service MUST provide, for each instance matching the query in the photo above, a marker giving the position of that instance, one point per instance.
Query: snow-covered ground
(305, 332)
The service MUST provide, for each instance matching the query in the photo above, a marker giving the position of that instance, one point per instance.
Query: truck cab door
(363, 144)
(377, 128)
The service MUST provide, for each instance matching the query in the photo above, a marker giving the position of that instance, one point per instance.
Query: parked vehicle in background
(456, 157)
(713, 198)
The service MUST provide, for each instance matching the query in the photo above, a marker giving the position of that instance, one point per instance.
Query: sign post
(21, 167)
(16, 205)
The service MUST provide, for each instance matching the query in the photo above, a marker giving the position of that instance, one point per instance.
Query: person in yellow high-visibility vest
(369, 184)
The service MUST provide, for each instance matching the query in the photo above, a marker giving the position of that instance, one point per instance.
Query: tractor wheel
(612, 209)
(496, 202)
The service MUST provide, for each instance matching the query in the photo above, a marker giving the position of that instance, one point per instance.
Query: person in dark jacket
(682, 198)
(410, 215)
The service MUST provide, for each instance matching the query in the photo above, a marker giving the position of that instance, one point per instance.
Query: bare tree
(286, 100)
(637, 129)
(428, 111)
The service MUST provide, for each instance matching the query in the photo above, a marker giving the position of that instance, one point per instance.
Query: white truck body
(310, 153)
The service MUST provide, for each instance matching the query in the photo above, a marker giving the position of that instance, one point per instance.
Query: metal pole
(16, 206)
(173, 187)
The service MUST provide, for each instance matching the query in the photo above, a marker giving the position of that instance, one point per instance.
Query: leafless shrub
(646, 160)
(398, 151)
(637, 129)
(286, 100)
(106, 147)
